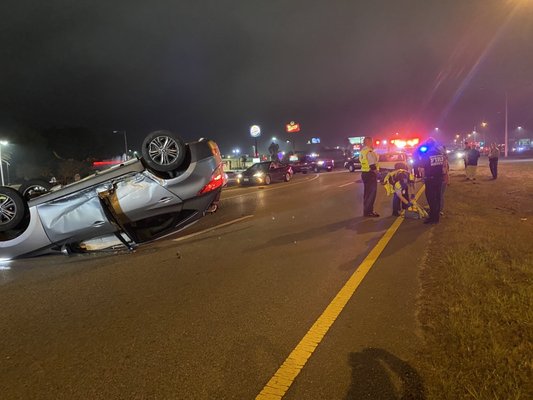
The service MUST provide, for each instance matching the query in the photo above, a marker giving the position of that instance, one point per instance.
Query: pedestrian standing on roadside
(465, 152)
(472, 157)
(369, 175)
(494, 154)
(433, 165)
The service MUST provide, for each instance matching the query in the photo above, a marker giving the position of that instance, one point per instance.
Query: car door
(276, 172)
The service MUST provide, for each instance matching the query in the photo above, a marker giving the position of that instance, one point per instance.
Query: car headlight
(460, 155)
(239, 176)
(320, 162)
(258, 174)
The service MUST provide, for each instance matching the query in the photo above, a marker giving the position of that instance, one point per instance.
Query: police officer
(432, 160)
(369, 175)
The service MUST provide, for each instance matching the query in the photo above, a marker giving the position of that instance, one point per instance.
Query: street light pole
(125, 143)
(2, 143)
(506, 152)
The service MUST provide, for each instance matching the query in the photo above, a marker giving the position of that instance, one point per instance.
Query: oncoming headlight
(320, 162)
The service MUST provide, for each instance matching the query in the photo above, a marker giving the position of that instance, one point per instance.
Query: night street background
(212, 68)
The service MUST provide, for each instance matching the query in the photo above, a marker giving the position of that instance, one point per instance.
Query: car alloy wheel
(163, 151)
(12, 209)
(268, 180)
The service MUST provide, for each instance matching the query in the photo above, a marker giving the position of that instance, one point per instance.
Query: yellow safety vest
(363, 157)
(389, 181)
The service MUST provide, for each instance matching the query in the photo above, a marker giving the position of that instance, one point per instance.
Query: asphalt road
(213, 315)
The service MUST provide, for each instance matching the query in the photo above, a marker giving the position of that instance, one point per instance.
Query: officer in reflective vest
(369, 175)
(433, 161)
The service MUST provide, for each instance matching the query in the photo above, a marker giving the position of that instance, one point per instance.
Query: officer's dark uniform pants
(433, 196)
(493, 164)
(397, 204)
(370, 181)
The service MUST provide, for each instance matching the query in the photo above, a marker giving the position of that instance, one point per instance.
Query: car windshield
(258, 167)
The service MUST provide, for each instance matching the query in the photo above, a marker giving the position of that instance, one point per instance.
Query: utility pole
(506, 152)
(1, 166)
(125, 144)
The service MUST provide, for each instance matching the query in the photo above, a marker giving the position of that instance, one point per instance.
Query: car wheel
(316, 169)
(12, 209)
(329, 169)
(287, 177)
(163, 151)
(351, 168)
(268, 180)
(34, 188)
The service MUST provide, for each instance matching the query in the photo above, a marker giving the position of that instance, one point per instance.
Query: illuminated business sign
(315, 140)
(292, 127)
(255, 131)
(356, 139)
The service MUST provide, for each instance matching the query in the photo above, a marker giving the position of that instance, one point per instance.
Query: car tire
(351, 168)
(316, 170)
(12, 209)
(268, 180)
(163, 151)
(287, 177)
(329, 169)
(34, 188)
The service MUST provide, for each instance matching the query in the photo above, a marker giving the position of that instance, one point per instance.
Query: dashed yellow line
(282, 380)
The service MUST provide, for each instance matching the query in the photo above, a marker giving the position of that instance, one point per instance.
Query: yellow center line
(282, 380)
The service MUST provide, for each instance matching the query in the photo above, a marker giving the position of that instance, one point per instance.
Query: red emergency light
(401, 143)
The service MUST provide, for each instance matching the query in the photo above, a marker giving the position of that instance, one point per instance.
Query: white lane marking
(212, 228)
(268, 190)
(346, 184)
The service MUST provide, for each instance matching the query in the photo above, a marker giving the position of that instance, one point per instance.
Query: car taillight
(218, 179)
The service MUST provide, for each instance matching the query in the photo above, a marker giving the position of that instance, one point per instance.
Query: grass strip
(475, 309)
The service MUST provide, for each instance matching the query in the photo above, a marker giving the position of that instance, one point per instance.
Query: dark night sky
(211, 68)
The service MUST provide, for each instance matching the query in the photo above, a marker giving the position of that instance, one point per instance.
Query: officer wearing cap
(369, 175)
(432, 161)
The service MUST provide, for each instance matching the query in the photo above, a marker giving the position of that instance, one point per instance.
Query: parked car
(299, 164)
(320, 163)
(352, 164)
(264, 173)
(337, 156)
(171, 186)
(231, 177)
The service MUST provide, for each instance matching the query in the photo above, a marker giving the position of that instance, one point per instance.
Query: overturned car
(170, 187)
